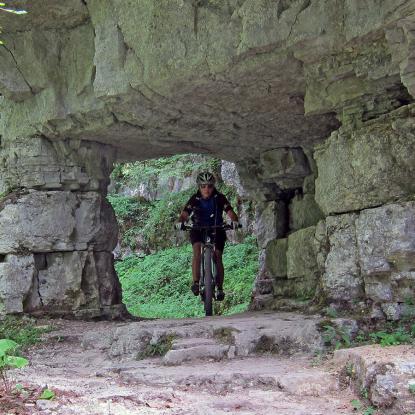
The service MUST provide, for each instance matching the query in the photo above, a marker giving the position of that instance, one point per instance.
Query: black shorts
(220, 238)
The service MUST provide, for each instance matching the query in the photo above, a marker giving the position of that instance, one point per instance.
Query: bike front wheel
(208, 281)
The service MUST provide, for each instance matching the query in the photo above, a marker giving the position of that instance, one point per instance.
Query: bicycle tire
(208, 284)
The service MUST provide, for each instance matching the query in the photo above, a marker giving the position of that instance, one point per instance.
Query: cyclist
(206, 208)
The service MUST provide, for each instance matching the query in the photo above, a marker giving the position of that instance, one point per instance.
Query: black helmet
(205, 177)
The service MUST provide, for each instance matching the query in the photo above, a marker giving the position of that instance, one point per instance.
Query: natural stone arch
(258, 83)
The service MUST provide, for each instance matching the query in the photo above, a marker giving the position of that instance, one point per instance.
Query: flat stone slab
(385, 372)
(283, 333)
(199, 352)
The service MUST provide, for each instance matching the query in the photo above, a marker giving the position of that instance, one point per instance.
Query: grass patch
(158, 285)
(22, 330)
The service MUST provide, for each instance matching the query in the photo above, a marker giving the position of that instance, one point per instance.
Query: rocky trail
(254, 363)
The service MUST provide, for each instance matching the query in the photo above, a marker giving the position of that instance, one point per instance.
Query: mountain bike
(208, 272)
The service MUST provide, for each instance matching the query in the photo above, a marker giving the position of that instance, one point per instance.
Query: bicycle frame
(208, 268)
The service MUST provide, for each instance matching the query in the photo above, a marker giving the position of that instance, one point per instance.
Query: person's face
(206, 190)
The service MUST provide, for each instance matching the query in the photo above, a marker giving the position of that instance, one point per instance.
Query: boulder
(270, 221)
(54, 165)
(17, 273)
(276, 258)
(287, 167)
(341, 279)
(57, 221)
(367, 167)
(301, 261)
(303, 212)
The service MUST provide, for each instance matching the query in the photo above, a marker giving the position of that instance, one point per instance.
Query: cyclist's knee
(218, 255)
(196, 249)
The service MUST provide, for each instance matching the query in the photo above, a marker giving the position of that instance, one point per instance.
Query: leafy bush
(158, 285)
(8, 360)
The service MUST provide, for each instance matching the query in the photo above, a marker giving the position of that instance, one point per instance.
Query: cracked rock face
(56, 245)
(312, 100)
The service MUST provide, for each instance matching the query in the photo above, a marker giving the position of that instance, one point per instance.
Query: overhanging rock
(259, 83)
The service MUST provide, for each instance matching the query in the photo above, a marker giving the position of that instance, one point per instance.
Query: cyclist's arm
(227, 207)
(184, 216)
(232, 215)
(187, 210)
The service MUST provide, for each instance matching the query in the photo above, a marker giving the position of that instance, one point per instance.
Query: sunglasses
(209, 186)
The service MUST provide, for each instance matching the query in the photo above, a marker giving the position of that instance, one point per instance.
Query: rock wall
(312, 99)
(57, 230)
(356, 253)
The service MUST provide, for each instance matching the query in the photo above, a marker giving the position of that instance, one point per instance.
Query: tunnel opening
(153, 260)
(316, 115)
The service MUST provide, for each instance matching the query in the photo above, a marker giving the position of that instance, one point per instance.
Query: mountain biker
(206, 207)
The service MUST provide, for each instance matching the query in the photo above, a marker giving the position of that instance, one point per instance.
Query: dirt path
(258, 363)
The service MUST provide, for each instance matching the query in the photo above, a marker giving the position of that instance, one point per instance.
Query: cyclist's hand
(235, 225)
(179, 226)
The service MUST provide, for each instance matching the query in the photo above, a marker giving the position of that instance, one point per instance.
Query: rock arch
(313, 102)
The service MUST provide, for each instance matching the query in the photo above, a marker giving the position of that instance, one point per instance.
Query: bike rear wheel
(208, 281)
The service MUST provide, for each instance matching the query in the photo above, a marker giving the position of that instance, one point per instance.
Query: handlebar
(225, 227)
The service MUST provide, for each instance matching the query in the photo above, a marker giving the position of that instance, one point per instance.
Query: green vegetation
(47, 394)
(158, 285)
(149, 171)
(21, 330)
(147, 225)
(359, 406)
(390, 334)
(8, 360)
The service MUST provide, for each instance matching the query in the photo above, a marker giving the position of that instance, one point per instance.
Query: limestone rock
(286, 167)
(367, 167)
(276, 258)
(341, 280)
(385, 372)
(303, 212)
(69, 281)
(230, 176)
(270, 221)
(57, 221)
(387, 251)
(17, 274)
(301, 260)
(51, 165)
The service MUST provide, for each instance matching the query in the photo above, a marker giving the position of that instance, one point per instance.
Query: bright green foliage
(47, 394)
(356, 404)
(162, 217)
(8, 360)
(391, 339)
(22, 331)
(148, 225)
(152, 223)
(334, 336)
(180, 165)
(158, 285)
(411, 388)
(132, 214)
